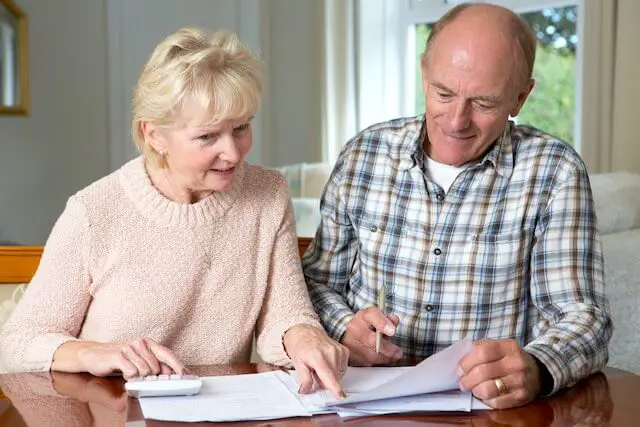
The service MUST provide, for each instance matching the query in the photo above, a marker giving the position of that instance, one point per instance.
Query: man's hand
(360, 338)
(315, 354)
(493, 361)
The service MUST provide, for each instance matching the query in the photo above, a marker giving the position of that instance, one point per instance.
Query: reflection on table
(56, 399)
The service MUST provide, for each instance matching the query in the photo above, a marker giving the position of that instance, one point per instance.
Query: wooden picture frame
(16, 22)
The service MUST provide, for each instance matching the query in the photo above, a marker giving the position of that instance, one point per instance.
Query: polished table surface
(609, 398)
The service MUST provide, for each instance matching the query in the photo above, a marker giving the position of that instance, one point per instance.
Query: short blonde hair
(214, 69)
(519, 29)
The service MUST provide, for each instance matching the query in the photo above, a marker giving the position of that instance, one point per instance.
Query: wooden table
(610, 398)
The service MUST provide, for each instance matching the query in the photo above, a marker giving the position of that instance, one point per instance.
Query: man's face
(471, 88)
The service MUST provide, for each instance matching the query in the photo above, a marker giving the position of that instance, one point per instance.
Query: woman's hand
(315, 354)
(138, 358)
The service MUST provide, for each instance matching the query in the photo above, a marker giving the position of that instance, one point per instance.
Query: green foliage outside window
(551, 105)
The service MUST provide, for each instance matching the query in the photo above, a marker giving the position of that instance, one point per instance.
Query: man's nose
(459, 116)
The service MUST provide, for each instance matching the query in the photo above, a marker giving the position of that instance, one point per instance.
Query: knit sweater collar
(153, 205)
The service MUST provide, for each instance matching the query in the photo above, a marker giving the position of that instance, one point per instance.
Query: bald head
(487, 29)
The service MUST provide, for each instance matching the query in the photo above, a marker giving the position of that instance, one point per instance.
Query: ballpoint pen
(382, 300)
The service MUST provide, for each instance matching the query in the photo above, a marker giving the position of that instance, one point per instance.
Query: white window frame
(385, 67)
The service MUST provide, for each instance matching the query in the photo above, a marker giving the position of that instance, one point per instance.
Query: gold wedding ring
(502, 389)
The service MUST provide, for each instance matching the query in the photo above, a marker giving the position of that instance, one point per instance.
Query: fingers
(361, 341)
(328, 378)
(515, 395)
(487, 351)
(504, 379)
(165, 370)
(146, 357)
(481, 374)
(166, 356)
(124, 365)
(141, 348)
(378, 321)
(394, 319)
(388, 350)
(304, 377)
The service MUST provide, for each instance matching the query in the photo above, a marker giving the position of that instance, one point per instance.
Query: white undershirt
(443, 174)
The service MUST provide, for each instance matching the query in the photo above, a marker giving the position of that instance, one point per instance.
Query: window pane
(551, 105)
(422, 32)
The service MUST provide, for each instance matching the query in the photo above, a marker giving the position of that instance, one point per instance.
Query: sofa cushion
(617, 201)
(306, 180)
(307, 213)
(622, 285)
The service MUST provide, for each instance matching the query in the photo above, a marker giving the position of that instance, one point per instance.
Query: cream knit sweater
(123, 262)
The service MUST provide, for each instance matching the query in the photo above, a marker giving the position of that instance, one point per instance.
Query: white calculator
(163, 385)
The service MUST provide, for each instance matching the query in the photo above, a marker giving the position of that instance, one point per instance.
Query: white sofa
(617, 200)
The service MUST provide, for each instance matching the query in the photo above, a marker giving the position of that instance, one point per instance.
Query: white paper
(434, 374)
(354, 381)
(371, 391)
(479, 405)
(228, 398)
(454, 401)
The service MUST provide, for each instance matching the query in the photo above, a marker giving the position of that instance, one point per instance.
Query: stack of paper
(431, 385)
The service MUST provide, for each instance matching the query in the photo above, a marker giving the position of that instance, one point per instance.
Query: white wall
(625, 147)
(62, 145)
(292, 49)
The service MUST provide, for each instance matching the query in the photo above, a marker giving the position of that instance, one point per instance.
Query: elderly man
(476, 227)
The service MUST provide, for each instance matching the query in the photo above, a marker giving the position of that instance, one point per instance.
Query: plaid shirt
(510, 251)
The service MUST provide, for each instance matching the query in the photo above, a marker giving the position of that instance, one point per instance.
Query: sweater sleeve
(287, 300)
(54, 305)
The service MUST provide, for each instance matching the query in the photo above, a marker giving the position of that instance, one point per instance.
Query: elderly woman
(184, 253)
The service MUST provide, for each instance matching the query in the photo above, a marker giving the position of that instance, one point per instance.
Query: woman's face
(202, 158)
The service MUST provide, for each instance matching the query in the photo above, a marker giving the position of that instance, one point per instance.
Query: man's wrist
(546, 380)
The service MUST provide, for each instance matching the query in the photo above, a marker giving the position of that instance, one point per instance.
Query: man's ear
(522, 97)
(424, 71)
(153, 137)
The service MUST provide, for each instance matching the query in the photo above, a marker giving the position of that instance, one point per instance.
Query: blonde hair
(214, 69)
(521, 31)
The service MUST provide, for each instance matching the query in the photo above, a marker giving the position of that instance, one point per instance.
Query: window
(390, 83)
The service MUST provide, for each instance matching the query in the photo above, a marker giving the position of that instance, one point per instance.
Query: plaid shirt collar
(500, 155)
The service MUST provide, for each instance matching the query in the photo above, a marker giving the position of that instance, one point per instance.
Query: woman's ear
(153, 137)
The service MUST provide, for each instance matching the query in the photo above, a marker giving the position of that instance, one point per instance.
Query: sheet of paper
(229, 398)
(354, 381)
(454, 401)
(479, 405)
(434, 374)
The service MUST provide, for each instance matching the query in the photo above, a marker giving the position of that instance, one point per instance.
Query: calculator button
(163, 377)
(151, 378)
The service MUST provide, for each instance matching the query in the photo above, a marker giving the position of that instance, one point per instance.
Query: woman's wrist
(69, 357)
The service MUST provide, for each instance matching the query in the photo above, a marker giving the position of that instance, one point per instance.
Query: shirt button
(429, 307)
(374, 229)
(437, 251)
(440, 196)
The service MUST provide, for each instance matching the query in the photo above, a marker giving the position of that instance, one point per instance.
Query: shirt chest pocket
(388, 254)
(499, 259)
